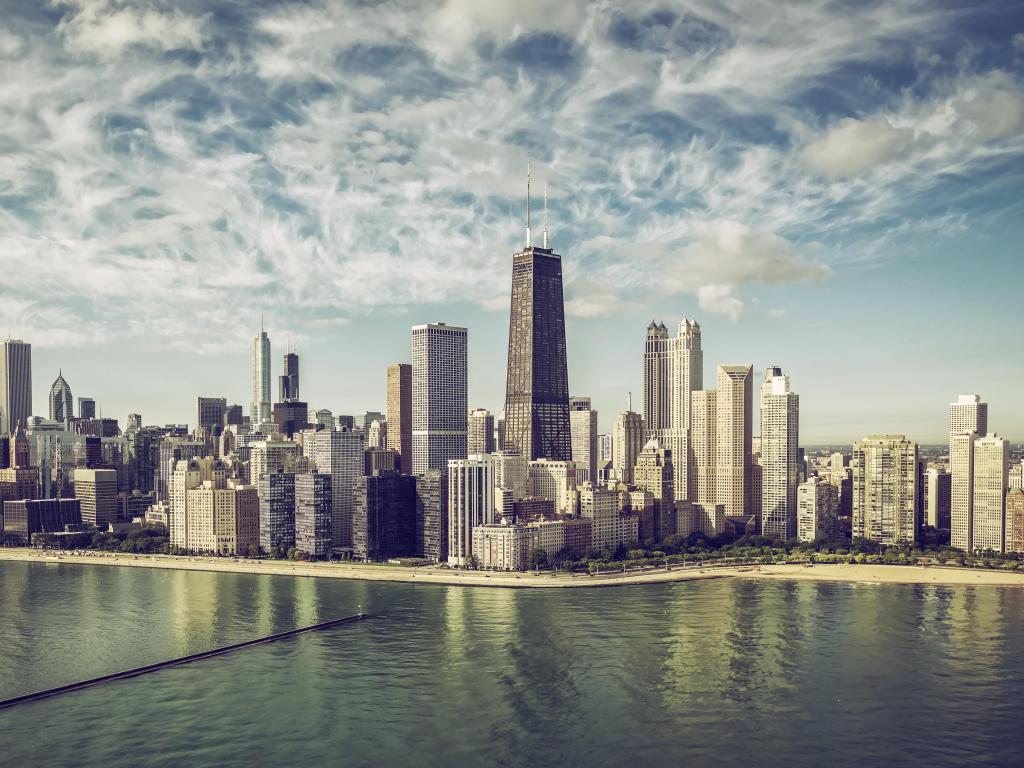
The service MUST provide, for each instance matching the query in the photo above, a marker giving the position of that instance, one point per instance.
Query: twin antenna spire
(529, 236)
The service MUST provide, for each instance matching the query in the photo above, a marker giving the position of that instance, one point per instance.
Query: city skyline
(765, 200)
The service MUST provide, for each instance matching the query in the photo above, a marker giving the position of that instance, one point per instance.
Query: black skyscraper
(537, 386)
(288, 384)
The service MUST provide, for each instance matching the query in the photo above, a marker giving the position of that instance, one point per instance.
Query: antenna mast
(529, 242)
(546, 213)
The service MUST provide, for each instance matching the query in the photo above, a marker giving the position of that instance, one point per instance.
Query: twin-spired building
(673, 369)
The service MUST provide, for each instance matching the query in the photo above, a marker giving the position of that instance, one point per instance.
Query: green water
(724, 672)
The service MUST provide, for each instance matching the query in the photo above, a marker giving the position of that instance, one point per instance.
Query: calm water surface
(723, 672)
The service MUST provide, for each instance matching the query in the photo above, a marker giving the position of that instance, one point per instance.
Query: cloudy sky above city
(830, 187)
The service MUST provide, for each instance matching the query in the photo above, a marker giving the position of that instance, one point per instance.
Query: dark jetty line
(45, 694)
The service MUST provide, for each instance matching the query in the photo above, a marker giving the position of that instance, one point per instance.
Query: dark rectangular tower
(537, 386)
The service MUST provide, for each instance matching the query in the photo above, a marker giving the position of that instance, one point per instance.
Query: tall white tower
(734, 433)
(968, 419)
(780, 420)
(259, 410)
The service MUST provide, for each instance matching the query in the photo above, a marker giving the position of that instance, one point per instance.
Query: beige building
(627, 440)
(709, 515)
(654, 472)
(96, 490)
(885, 489)
(480, 432)
(733, 430)
(610, 527)
(511, 470)
(817, 510)
(553, 480)
(222, 520)
(991, 463)
(504, 546)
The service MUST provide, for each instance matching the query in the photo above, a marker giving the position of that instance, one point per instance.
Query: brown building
(654, 473)
(1015, 521)
(377, 460)
(399, 415)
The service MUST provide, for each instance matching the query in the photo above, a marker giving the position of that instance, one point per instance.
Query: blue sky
(830, 187)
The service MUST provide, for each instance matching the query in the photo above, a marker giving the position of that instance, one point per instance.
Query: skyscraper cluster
(432, 478)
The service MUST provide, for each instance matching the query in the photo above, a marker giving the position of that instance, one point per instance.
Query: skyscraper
(709, 515)
(439, 396)
(779, 442)
(339, 453)
(537, 382)
(210, 413)
(62, 403)
(288, 382)
(15, 384)
(733, 428)
(583, 424)
(470, 503)
(673, 369)
(968, 419)
(259, 409)
(653, 473)
(885, 489)
(86, 408)
(627, 442)
(399, 416)
(988, 505)
(480, 438)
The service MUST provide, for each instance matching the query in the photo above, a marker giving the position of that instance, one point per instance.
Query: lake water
(723, 672)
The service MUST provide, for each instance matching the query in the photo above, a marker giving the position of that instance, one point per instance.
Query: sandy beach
(873, 574)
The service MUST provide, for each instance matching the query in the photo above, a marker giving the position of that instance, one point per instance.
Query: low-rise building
(817, 510)
(504, 546)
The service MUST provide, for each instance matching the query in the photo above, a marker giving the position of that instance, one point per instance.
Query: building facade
(968, 419)
(15, 384)
(885, 489)
(480, 437)
(470, 503)
(62, 402)
(583, 427)
(399, 413)
(733, 430)
(817, 510)
(627, 441)
(991, 467)
(780, 419)
(537, 379)
(259, 408)
(439, 396)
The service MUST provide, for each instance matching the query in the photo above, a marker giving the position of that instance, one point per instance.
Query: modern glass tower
(537, 385)
(62, 404)
(259, 410)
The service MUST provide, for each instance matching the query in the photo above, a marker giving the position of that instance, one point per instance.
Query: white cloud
(720, 299)
(852, 146)
(106, 28)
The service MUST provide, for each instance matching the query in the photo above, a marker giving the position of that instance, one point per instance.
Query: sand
(873, 574)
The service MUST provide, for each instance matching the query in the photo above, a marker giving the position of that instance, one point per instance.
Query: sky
(830, 187)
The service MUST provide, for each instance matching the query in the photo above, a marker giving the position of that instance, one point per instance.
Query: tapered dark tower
(537, 386)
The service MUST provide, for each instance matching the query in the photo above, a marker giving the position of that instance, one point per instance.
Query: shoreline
(843, 573)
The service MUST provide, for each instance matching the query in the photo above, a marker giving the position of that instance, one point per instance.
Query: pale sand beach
(871, 574)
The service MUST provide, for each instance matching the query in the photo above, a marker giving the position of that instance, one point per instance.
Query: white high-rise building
(480, 432)
(673, 369)
(470, 502)
(991, 470)
(734, 433)
(15, 385)
(885, 489)
(817, 510)
(439, 396)
(260, 409)
(968, 418)
(709, 515)
(780, 418)
(339, 453)
(583, 426)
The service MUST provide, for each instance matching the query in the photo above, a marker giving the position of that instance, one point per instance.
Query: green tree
(538, 559)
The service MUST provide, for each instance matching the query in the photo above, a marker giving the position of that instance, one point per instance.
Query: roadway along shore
(874, 574)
